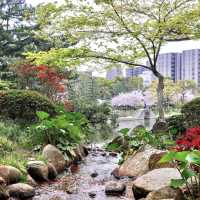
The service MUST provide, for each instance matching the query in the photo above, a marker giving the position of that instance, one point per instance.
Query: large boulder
(115, 188)
(154, 180)
(55, 157)
(10, 174)
(165, 193)
(137, 164)
(21, 191)
(52, 171)
(38, 170)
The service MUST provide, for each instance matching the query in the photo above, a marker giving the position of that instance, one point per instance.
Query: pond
(132, 118)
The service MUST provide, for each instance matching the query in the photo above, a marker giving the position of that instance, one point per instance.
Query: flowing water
(77, 184)
(80, 185)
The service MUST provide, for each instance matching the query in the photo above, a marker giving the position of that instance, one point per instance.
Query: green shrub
(100, 117)
(23, 104)
(191, 112)
(62, 128)
(176, 125)
(6, 85)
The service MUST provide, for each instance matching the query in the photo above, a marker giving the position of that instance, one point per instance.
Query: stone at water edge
(115, 188)
(115, 173)
(113, 154)
(2, 182)
(38, 170)
(55, 157)
(4, 195)
(154, 180)
(94, 174)
(165, 193)
(92, 195)
(138, 164)
(21, 191)
(10, 174)
(52, 171)
(83, 150)
(30, 181)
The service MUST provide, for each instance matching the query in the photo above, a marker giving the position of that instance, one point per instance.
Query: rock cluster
(38, 171)
(151, 180)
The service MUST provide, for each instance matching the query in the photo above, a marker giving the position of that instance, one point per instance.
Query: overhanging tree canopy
(125, 32)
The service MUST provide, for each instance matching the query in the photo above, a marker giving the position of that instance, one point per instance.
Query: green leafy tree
(124, 32)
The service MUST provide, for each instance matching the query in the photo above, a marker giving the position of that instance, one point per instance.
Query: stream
(78, 183)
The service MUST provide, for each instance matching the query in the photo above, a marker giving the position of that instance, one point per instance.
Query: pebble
(92, 195)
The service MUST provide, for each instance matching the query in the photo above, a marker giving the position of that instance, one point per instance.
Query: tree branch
(119, 61)
(129, 31)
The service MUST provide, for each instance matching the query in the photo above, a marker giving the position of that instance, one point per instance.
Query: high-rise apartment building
(190, 69)
(169, 65)
(114, 73)
(132, 72)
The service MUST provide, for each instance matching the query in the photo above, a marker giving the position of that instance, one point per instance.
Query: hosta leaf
(176, 183)
(168, 157)
(193, 158)
(188, 173)
(181, 156)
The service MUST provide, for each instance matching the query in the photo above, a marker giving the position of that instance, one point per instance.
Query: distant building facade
(114, 73)
(169, 65)
(190, 69)
(147, 77)
(132, 72)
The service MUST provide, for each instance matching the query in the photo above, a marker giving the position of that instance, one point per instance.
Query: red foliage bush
(191, 140)
(47, 76)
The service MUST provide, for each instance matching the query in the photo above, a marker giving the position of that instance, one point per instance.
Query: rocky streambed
(95, 176)
(87, 180)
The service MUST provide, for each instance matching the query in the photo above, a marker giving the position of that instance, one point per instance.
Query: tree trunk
(160, 96)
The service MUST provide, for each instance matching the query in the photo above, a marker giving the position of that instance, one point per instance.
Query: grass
(15, 147)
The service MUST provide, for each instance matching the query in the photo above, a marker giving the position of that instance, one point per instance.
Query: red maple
(191, 139)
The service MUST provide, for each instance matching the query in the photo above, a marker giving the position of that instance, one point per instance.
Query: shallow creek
(79, 185)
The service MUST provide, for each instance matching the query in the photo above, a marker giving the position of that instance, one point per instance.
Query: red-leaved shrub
(191, 140)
